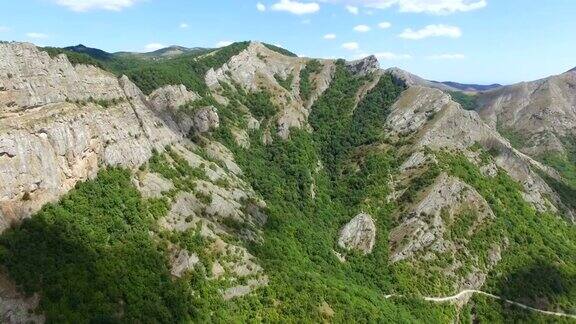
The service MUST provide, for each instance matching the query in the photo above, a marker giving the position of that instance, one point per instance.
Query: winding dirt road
(467, 293)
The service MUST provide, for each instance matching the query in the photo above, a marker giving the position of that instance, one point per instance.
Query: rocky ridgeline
(60, 124)
(437, 122)
(542, 112)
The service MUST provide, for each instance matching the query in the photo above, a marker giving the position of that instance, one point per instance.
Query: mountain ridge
(246, 169)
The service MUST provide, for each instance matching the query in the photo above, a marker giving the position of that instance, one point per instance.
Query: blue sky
(479, 41)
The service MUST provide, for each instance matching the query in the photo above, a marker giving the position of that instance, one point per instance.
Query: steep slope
(542, 113)
(539, 119)
(245, 184)
(61, 124)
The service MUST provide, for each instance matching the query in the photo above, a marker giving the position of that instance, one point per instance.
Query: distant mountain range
(167, 52)
(471, 87)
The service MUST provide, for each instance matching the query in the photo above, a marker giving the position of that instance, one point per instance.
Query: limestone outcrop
(543, 112)
(66, 122)
(424, 226)
(363, 66)
(206, 119)
(359, 234)
(436, 122)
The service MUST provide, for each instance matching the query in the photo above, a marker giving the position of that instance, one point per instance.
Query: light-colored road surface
(467, 293)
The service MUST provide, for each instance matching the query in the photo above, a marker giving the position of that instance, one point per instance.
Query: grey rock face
(257, 68)
(31, 78)
(171, 97)
(543, 111)
(363, 66)
(167, 101)
(48, 143)
(424, 227)
(439, 123)
(152, 185)
(359, 234)
(182, 261)
(15, 307)
(206, 119)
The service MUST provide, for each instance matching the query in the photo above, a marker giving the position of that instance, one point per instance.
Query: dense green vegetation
(466, 100)
(148, 75)
(285, 83)
(306, 85)
(535, 266)
(487, 310)
(297, 249)
(93, 259)
(280, 50)
(74, 57)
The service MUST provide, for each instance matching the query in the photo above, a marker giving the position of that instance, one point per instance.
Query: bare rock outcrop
(167, 102)
(257, 68)
(30, 78)
(436, 122)
(15, 307)
(63, 126)
(363, 66)
(359, 234)
(182, 261)
(424, 227)
(171, 97)
(206, 119)
(543, 112)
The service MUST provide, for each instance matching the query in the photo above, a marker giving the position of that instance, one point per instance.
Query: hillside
(539, 119)
(248, 184)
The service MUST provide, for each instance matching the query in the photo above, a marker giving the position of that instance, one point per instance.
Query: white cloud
(184, 25)
(392, 56)
(4, 29)
(295, 7)
(352, 9)
(362, 28)
(432, 31)
(260, 7)
(447, 57)
(153, 47)
(86, 5)
(436, 7)
(440, 7)
(223, 43)
(330, 36)
(36, 35)
(384, 25)
(351, 46)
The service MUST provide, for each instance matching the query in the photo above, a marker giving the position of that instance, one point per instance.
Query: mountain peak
(364, 66)
(93, 52)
